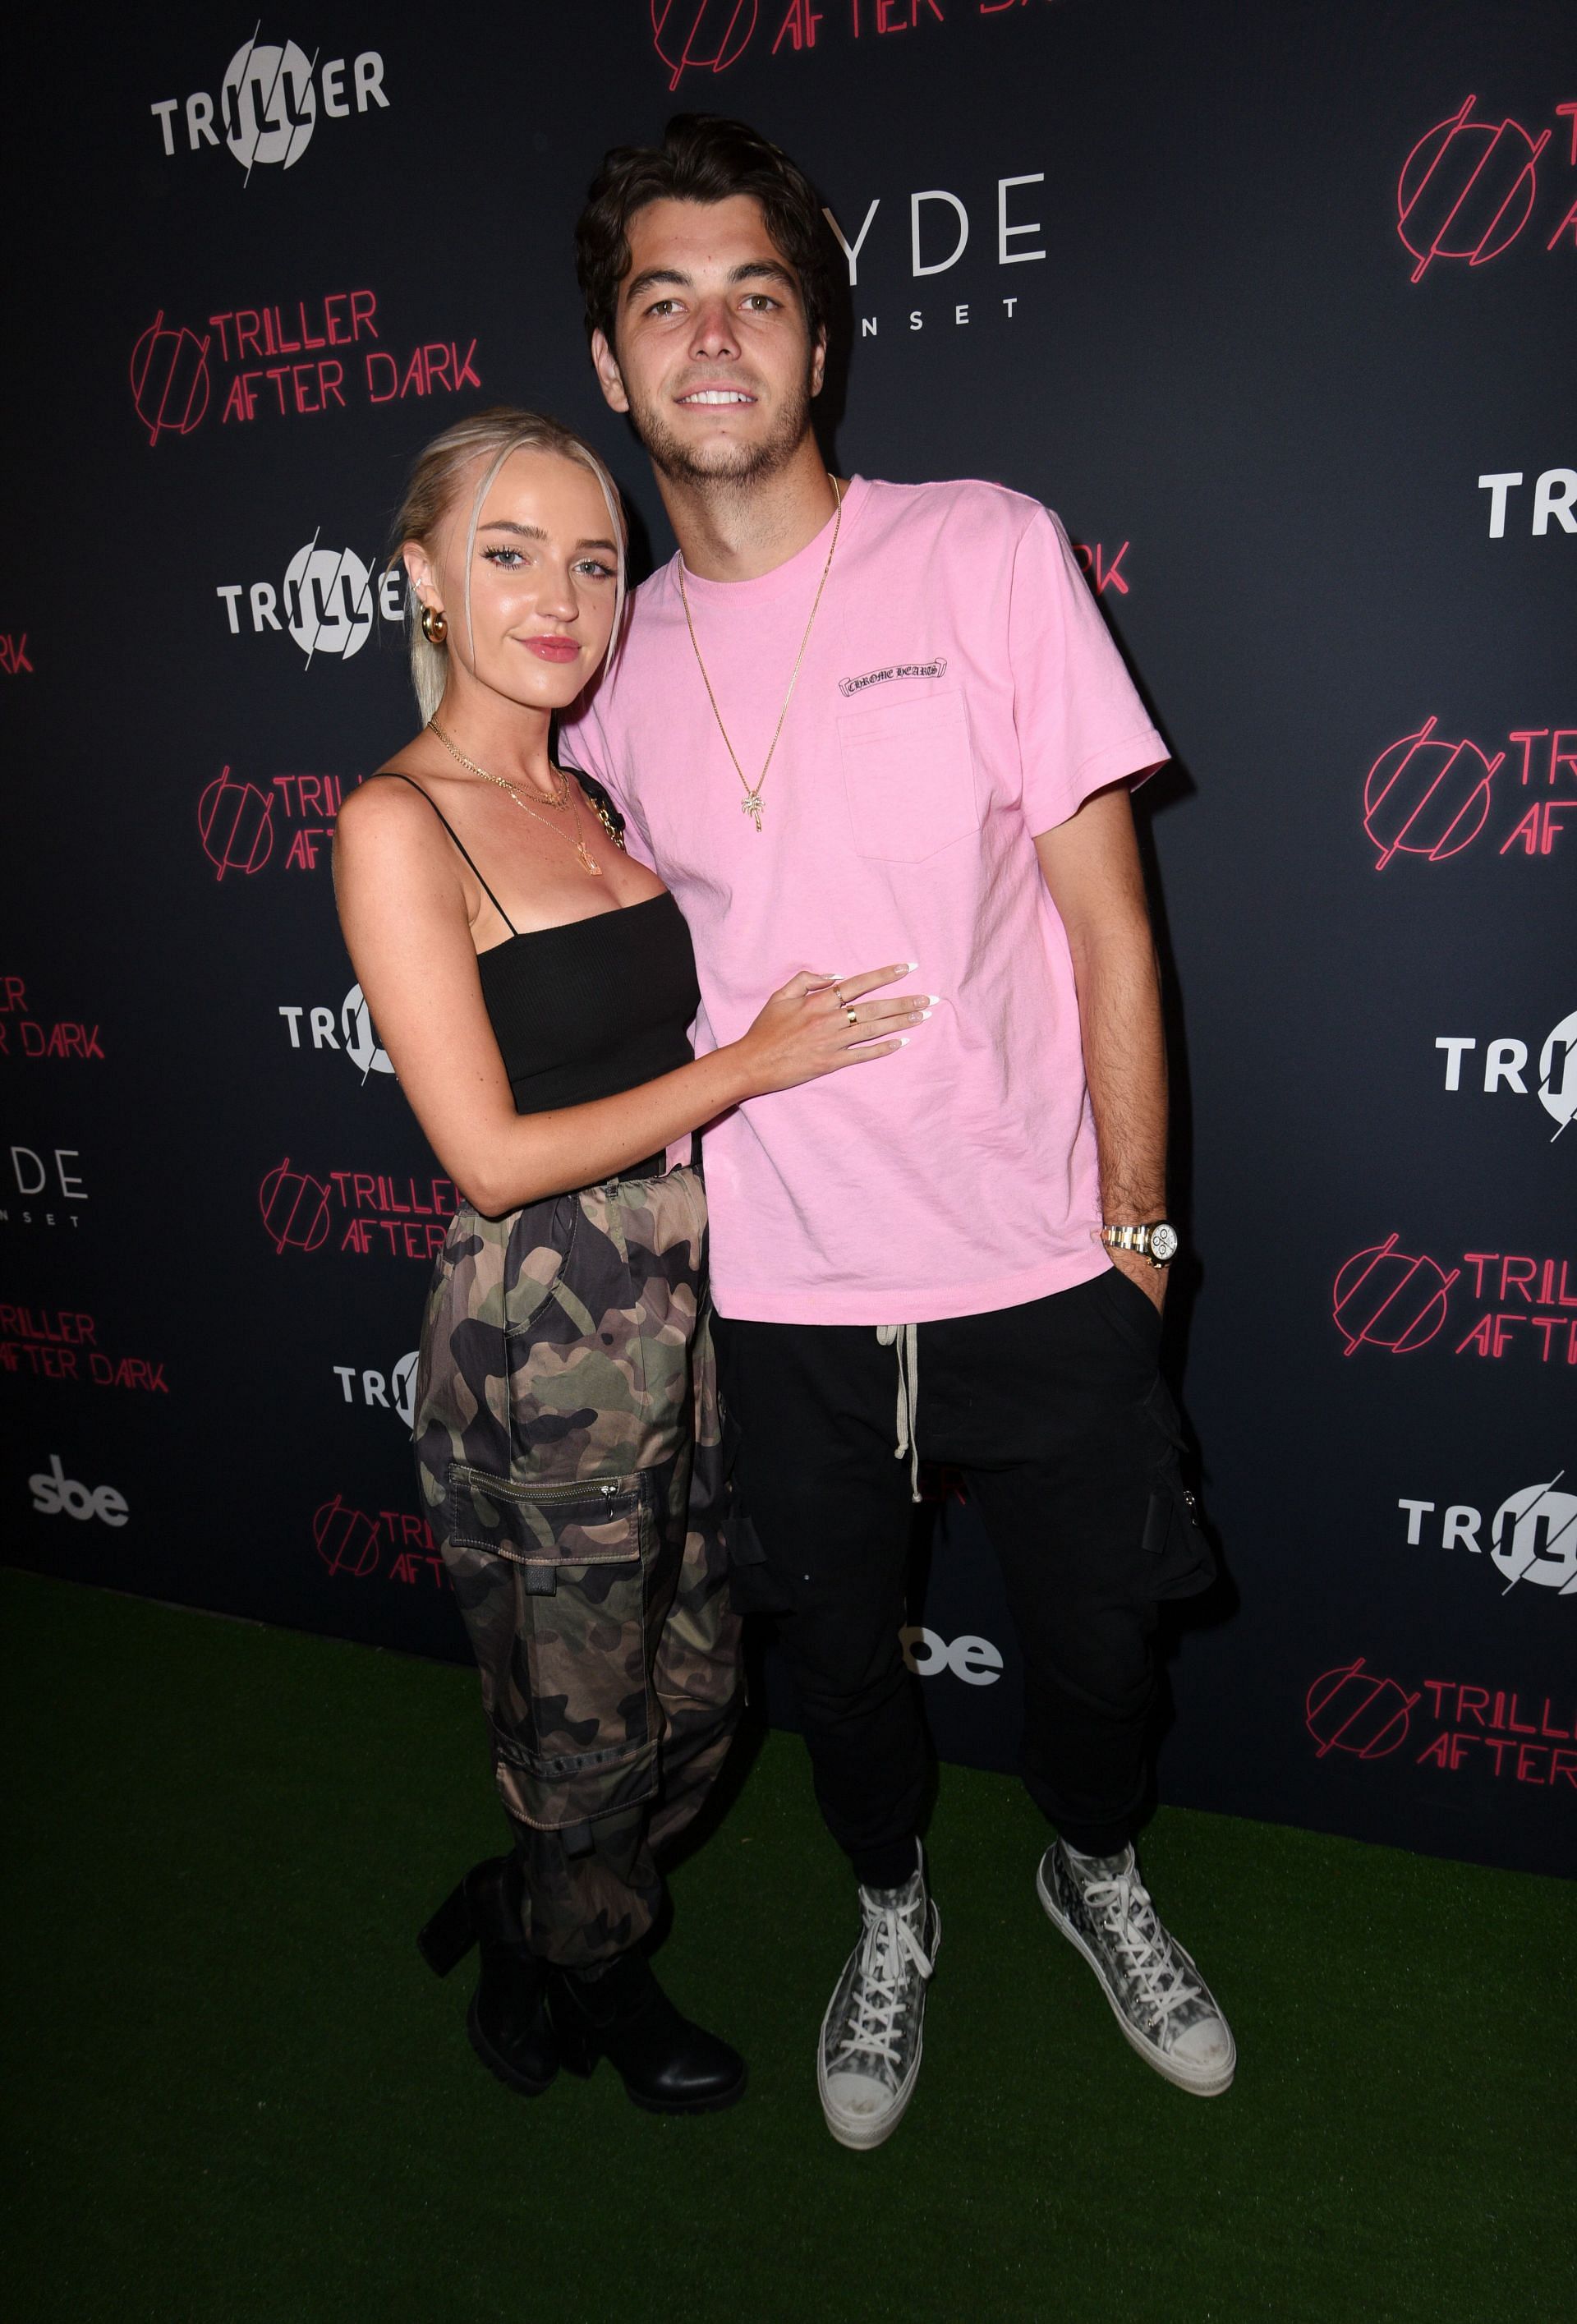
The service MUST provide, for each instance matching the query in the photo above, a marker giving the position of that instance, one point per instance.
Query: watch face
(1164, 1240)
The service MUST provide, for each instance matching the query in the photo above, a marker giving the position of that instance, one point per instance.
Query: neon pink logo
(701, 35)
(1427, 797)
(295, 1209)
(1382, 1298)
(170, 380)
(346, 1539)
(1467, 189)
(1351, 1709)
(235, 822)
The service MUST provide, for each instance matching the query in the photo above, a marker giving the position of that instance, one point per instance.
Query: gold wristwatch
(1158, 1241)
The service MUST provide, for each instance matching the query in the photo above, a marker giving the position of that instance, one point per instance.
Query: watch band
(1155, 1239)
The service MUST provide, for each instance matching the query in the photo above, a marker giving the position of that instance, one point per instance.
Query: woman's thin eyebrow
(535, 533)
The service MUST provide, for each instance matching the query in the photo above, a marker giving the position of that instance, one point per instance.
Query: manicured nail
(934, 998)
(924, 1014)
(913, 967)
(903, 1041)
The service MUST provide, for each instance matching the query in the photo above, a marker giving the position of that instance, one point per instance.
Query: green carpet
(235, 2094)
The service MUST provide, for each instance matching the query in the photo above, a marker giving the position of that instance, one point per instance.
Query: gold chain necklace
(751, 802)
(558, 803)
(586, 860)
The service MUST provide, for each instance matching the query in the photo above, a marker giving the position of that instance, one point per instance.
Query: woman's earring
(434, 625)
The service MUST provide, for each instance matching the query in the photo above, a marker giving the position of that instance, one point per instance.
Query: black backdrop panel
(1273, 306)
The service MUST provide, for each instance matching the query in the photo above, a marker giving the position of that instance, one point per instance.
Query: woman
(533, 985)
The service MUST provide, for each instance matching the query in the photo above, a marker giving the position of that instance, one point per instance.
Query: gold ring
(839, 990)
(852, 1018)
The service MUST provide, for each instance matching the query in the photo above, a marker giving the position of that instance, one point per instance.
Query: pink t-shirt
(959, 695)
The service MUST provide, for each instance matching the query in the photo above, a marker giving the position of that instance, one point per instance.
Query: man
(870, 721)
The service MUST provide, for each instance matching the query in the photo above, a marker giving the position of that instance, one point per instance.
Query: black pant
(1068, 1436)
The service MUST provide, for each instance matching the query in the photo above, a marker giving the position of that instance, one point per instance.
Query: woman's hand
(816, 1025)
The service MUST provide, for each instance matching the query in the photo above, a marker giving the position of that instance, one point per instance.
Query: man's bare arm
(1090, 865)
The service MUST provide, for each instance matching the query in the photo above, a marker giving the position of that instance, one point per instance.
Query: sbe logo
(269, 101)
(1469, 186)
(1429, 795)
(329, 600)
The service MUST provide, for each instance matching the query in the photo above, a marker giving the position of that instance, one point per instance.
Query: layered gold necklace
(751, 804)
(565, 797)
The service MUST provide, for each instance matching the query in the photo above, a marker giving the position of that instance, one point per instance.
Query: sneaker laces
(887, 1950)
(1125, 1913)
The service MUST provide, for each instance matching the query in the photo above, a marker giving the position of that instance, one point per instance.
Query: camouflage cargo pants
(568, 1449)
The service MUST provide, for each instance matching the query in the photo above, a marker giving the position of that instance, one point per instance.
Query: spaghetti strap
(392, 775)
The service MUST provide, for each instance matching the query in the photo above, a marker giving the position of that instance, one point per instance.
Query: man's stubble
(735, 470)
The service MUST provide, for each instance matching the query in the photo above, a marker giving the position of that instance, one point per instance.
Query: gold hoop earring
(434, 625)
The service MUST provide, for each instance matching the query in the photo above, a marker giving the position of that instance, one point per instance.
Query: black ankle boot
(668, 2066)
(508, 2017)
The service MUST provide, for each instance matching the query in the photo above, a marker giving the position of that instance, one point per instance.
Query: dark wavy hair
(703, 158)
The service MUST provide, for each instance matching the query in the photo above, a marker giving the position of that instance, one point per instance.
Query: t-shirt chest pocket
(909, 777)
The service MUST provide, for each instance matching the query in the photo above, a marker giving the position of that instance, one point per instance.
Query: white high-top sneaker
(871, 2036)
(1165, 2008)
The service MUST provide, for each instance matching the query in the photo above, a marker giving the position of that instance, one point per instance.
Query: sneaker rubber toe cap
(1207, 2048)
(859, 2098)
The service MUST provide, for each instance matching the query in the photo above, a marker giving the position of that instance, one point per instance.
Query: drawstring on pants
(906, 1339)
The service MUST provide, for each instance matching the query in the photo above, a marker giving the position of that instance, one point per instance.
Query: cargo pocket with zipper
(574, 1721)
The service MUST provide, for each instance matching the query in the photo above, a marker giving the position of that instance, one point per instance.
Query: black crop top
(589, 1008)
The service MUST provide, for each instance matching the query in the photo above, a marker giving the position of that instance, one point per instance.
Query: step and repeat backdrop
(1273, 306)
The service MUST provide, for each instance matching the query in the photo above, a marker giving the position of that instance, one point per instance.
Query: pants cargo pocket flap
(590, 1522)
(1181, 1560)
(574, 1728)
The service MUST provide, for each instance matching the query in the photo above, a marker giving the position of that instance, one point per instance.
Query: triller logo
(1430, 797)
(27, 1035)
(396, 1394)
(1533, 1535)
(172, 384)
(1354, 1712)
(708, 36)
(407, 1217)
(329, 601)
(354, 1545)
(1506, 1061)
(1554, 491)
(236, 826)
(1384, 1297)
(269, 101)
(1468, 187)
(356, 1039)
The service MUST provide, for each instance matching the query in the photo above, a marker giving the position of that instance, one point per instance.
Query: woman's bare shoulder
(387, 804)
